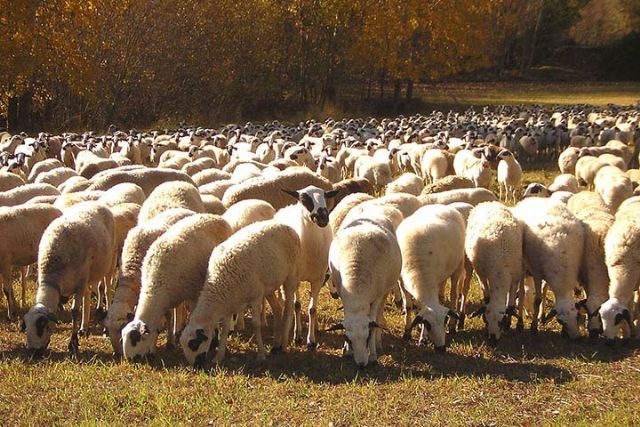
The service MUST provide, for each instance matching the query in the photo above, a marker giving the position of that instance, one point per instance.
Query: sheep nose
(200, 361)
(137, 358)
(441, 349)
(362, 365)
(493, 340)
(593, 333)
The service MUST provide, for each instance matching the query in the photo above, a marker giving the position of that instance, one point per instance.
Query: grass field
(544, 93)
(527, 380)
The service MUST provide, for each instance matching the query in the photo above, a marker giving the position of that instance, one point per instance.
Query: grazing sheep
(409, 183)
(621, 248)
(212, 204)
(76, 251)
(493, 244)
(451, 182)
(9, 181)
(173, 272)
(365, 263)
(135, 247)
(587, 168)
(123, 193)
(509, 175)
(42, 167)
(21, 228)
(147, 179)
(176, 194)
(210, 175)
(270, 189)
(247, 212)
(553, 244)
(250, 266)
(473, 196)
(427, 264)
(309, 218)
(434, 165)
(567, 160)
(593, 270)
(613, 186)
(24, 193)
(349, 186)
(341, 210)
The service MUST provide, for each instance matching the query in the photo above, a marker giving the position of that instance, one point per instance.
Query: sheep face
(117, 318)
(314, 201)
(38, 324)
(195, 342)
(614, 314)
(434, 320)
(495, 318)
(567, 315)
(536, 190)
(358, 333)
(138, 340)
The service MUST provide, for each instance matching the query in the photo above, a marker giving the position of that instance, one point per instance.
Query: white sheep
(123, 193)
(212, 204)
(250, 266)
(175, 194)
(210, 175)
(127, 291)
(473, 196)
(567, 160)
(9, 181)
(21, 228)
(467, 165)
(509, 175)
(493, 244)
(247, 212)
(377, 172)
(427, 264)
(365, 263)
(409, 183)
(613, 186)
(586, 169)
(310, 218)
(434, 165)
(621, 248)
(173, 272)
(24, 193)
(42, 167)
(56, 176)
(76, 251)
(148, 179)
(553, 244)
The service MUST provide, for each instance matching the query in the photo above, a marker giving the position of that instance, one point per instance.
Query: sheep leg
(222, 345)
(276, 309)
(74, 344)
(170, 319)
(290, 286)
(297, 325)
(464, 292)
(536, 304)
(397, 295)
(256, 320)
(7, 289)
(313, 315)
(373, 341)
(520, 324)
(86, 311)
(24, 273)
(500, 192)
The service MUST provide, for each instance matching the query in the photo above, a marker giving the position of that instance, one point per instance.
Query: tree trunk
(409, 93)
(24, 111)
(396, 90)
(12, 115)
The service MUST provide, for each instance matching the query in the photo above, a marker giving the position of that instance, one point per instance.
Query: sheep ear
(330, 194)
(293, 194)
(336, 327)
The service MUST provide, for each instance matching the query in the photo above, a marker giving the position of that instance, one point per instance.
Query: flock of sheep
(184, 230)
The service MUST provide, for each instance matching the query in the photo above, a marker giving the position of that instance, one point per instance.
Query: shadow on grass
(518, 357)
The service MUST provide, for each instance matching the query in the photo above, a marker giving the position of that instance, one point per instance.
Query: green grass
(545, 93)
(527, 380)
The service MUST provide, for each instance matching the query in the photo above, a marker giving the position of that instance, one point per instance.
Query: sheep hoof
(311, 346)
(100, 314)
(422, 342)
(83, 333)
(299, 341)
(74, 344)
(534, 327)
(520, 326)
(406, 336)
(594, 333)
(452, 329)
